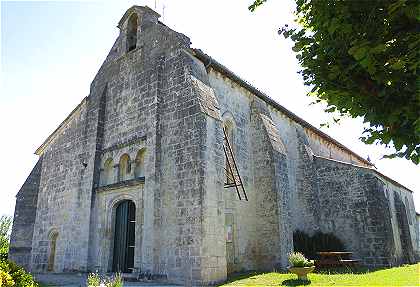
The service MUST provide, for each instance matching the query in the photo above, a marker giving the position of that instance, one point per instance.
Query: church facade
(145, 175)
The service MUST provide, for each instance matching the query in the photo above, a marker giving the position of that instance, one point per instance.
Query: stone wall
(323, 147)
(235, 107)
(153, 95)
(353, 207)
(272, 191)
(312, 188)
(62, 205)
(418, 235)
(358, 207)
(263, 165)
(405, 228)
(266, 252)
(24, 218)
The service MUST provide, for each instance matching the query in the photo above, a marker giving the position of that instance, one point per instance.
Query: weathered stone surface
(151, 131)
(24, 218)
(353, 207)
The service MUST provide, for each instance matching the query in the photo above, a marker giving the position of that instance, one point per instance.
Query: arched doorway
(124, 237)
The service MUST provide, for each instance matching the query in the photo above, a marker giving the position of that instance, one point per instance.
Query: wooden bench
(335, 259)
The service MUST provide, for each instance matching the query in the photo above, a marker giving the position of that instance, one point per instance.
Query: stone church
(176, 168)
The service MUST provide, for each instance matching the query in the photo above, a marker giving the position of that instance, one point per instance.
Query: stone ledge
(124, 144)
(121, 184)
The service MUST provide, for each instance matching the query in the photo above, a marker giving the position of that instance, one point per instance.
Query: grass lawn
(408, 275)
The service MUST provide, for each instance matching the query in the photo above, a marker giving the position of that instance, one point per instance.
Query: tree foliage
(363, 58)
(5, 226)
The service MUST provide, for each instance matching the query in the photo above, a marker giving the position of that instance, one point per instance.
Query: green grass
(408, 275)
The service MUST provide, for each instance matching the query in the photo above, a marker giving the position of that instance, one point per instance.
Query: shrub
(95, 280)
(6, 280)
(117, 281)
(297, 259)
(310, 245)
(19, 276)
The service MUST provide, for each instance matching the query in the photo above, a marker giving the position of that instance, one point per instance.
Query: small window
(132, 32)
(124, 167)
(229, 227)
(229, 141)
(229, 233)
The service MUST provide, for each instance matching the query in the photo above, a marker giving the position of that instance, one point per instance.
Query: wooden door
(230, 242)
(124, 237)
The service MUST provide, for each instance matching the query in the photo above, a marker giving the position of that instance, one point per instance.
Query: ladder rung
(231, 185)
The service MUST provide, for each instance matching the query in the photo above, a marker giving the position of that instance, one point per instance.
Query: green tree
(5, 226)
(363, 58)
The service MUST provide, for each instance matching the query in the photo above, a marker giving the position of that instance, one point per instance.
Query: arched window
(124, 167)
(139, 168)
(52, 247)
(132, 32)
(229, 131)
(107, 176)
(229, 127)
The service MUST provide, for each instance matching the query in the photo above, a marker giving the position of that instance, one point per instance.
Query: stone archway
(52, 238)
(124, 237)
(132, 32)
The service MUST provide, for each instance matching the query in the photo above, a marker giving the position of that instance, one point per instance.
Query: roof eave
(50, 138)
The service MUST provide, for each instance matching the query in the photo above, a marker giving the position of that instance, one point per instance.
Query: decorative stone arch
(111, 205)
(107, 172)
(139, 169)
(132, 31)
(124, 167)
(52, 248)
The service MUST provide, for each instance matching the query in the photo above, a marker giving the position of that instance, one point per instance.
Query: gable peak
(145, 13)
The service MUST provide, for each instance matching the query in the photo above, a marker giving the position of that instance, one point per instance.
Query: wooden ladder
(233, 178)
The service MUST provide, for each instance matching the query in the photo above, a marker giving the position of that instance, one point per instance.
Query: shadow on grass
(242, 275)
(346, 270)
(295, 282)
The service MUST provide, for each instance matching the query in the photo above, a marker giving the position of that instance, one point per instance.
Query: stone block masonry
(24, 218)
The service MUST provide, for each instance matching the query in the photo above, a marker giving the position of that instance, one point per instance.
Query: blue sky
(50, 52)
